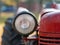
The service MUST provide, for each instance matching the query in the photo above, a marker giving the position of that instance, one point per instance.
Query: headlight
(25, 23)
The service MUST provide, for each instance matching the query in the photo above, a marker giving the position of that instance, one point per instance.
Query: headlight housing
(25, 23)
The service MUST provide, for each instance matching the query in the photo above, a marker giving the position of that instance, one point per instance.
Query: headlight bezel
(32, 15)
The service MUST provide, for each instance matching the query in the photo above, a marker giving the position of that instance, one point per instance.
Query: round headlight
(25, 23)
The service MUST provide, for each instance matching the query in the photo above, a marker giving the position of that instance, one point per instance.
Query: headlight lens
(25, 24)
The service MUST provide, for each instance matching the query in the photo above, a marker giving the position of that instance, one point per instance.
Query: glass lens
(25, 23)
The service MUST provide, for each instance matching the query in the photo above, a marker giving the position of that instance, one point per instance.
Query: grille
(44, 40)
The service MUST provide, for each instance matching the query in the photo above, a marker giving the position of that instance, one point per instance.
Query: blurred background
(9, 7)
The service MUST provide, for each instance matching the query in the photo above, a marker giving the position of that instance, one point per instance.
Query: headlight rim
(32, 15)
